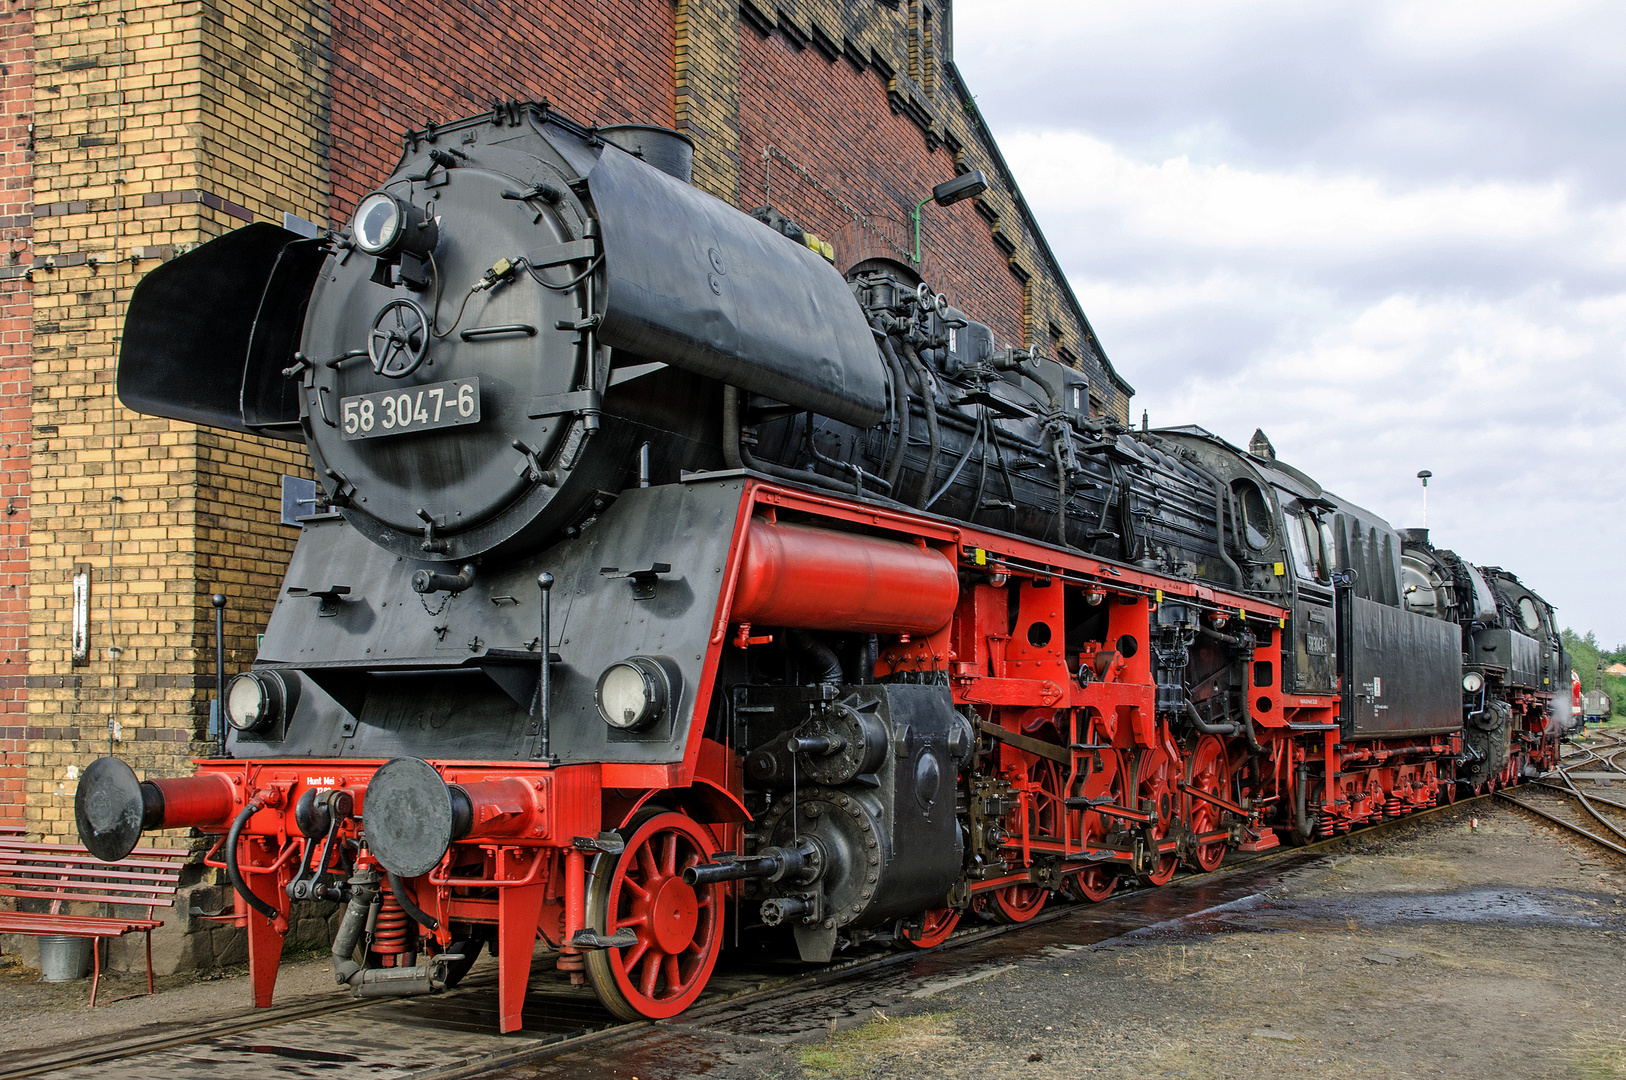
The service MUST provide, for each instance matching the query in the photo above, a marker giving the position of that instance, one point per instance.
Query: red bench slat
(22, 922)
(65, 851)
(158, 897)
(114, 878)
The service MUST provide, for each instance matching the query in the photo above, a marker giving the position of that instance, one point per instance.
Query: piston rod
(800, 864)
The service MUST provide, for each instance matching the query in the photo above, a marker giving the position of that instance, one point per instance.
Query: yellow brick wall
(706, 77)
(209, 112)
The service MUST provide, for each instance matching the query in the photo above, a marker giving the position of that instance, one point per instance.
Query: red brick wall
(835, 122)
(16, 326)
(597, 61)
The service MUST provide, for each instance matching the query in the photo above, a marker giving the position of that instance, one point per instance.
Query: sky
(1392, 234)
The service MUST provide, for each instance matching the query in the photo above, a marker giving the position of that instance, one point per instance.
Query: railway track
(1586, 794)
(452, 1036)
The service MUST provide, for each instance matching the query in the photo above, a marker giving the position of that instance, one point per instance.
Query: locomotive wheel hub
(673, 915)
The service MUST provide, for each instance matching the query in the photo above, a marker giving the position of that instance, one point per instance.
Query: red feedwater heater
(819, 579)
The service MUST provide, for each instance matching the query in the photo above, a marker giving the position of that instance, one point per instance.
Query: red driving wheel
(678, 926)
(1155, 786)
(1044, 808)
(1103, 781)
(1209, 771)
(935, 927)
(1093, 883)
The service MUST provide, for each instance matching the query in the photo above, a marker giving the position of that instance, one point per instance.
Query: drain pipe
(1224, 727)
(1247, 724)
(1305, 829)
(738, 457)
(1220, 502)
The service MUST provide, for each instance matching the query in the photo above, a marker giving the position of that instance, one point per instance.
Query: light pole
(1423, 476)
(965, 186)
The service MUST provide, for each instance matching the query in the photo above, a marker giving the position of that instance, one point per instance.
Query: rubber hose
(236, 875)
(900, 394)
(822, 664)
(402, 897)
(954, 473)
(1234, 640)
(933, 435)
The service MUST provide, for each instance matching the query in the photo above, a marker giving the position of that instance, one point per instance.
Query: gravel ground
(1494, 948)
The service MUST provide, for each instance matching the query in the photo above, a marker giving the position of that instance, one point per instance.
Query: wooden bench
(12, 830)
(63, 874)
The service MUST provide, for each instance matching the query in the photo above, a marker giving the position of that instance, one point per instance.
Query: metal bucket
(63, 959)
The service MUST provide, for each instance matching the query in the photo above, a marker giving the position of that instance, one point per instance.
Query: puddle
(1260, 913)
(1507, 906)
(296, 1053)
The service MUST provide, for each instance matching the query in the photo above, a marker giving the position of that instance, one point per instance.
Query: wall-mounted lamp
(965, 186)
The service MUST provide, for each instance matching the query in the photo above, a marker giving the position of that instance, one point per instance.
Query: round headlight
(379, 220)
(1472, 682)
(254, 700)
(634, 693)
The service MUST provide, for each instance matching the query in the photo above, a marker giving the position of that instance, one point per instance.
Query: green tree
(1585, 652)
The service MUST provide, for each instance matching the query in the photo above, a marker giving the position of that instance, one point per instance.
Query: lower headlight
(635, 693)
(1473, 682)
(255, 700)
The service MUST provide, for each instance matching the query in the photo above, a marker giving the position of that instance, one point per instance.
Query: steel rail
(1570, 825)
(1564, 791)
(94, 1056)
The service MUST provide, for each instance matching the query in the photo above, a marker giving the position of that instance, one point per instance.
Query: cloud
(1392, 234)
(1401, 89)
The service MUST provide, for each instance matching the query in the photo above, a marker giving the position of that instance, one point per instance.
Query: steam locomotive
(663, 572)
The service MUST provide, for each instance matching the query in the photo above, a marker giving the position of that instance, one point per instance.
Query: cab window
(1304, 541)
(1528, 612)
(1255, 511)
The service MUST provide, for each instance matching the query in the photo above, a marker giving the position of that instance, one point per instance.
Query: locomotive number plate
(416, 408)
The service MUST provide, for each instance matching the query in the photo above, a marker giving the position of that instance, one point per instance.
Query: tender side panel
(1404, 674)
